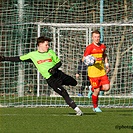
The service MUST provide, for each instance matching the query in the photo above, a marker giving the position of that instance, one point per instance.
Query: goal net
(22, 85)
(70, 26)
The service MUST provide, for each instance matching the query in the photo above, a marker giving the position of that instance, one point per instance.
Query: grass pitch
(64, 120)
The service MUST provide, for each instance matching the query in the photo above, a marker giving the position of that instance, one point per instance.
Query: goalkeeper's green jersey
(43, 61)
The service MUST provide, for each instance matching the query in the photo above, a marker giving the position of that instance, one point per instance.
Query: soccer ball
(89, 60)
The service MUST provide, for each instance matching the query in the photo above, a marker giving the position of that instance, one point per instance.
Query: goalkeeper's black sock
(70, 102)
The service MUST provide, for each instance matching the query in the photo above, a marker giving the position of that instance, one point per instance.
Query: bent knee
(74, 83)
(106, 87)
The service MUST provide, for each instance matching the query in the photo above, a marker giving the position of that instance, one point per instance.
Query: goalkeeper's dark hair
(42, 39)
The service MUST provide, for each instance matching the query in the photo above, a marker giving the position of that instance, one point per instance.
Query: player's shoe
(97, 109)
(101, 93)
(79, 113)
(90, 93)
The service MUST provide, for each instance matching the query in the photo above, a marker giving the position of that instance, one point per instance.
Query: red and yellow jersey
(97, 70)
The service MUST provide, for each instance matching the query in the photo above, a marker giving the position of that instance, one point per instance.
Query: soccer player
(97, 73)
(47, 64)
(82, 69)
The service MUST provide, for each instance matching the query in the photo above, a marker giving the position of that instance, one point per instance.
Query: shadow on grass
(118, 110)
(126, 114)
(83, 114)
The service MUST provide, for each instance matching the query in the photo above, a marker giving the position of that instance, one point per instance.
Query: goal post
(72, 29)
(120, 44)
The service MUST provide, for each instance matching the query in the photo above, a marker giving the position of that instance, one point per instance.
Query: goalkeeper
(47, 64)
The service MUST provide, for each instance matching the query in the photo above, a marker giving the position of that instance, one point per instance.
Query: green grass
(63, 120)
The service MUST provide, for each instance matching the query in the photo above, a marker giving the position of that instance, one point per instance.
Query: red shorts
(99, 81)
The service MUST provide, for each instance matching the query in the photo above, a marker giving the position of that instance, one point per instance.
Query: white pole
(87, 37)
(20, 70)
(90, 35)
(54, 38)
(38, 74)
(101, 19)
(58, 42)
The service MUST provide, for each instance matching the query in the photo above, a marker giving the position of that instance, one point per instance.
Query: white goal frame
(75, 26)
(56, 27)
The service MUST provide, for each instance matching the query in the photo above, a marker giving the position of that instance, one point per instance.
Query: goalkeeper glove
(54, 69)
(13, 59)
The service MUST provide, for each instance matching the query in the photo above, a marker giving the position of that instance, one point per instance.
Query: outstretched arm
(13, 59)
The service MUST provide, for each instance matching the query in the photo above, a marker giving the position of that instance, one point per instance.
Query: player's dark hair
(96, 32)
(42, 39)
